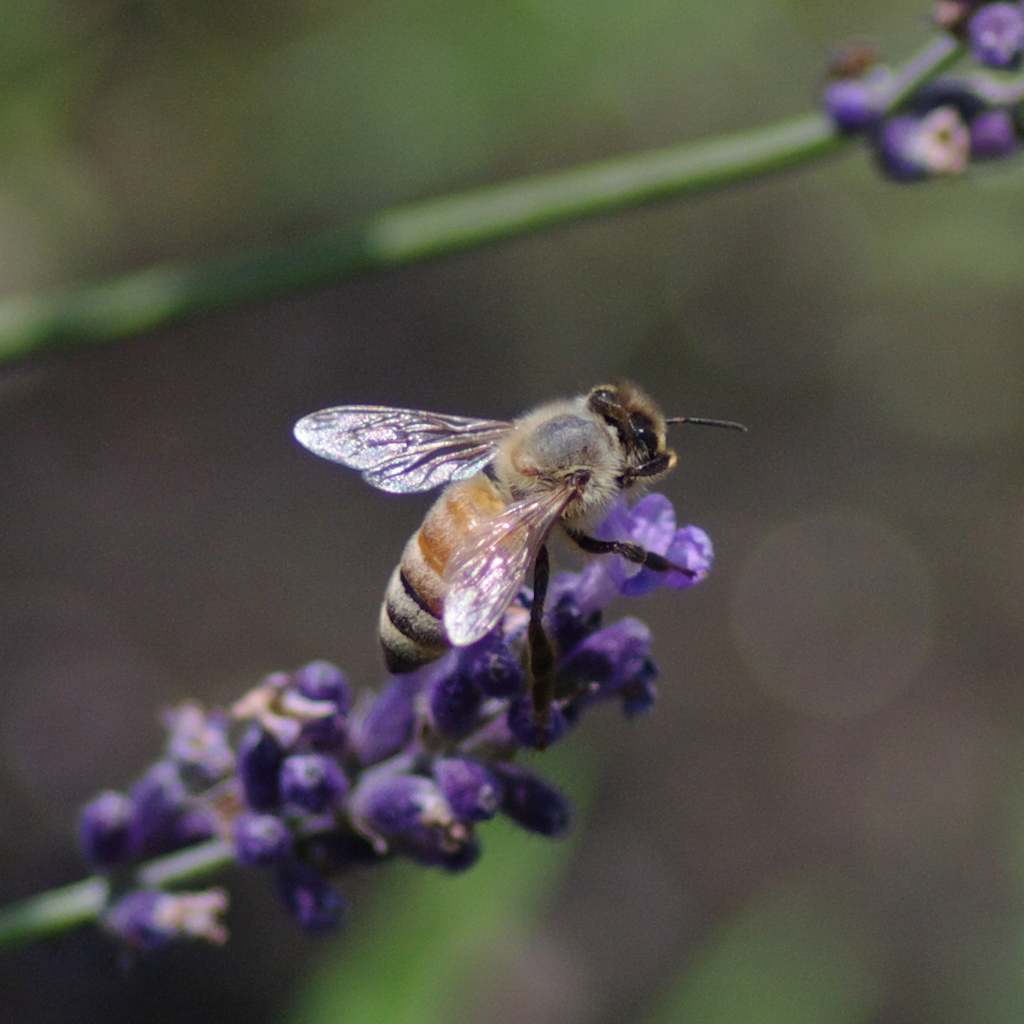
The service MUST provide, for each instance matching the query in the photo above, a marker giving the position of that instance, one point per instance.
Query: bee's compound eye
(601, 399)
(643, 431)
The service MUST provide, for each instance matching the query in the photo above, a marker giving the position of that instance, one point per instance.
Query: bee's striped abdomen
(410, 632)
(411, 629)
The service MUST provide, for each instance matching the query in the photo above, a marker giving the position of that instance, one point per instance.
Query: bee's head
(640, 427)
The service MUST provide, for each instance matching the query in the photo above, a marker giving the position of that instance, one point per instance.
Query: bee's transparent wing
(488, 568)
(401, 450)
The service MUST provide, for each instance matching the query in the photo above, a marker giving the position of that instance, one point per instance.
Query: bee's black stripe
(410, 635)
(406, 658)
(409, 618)
(401, 619)
(413, 595)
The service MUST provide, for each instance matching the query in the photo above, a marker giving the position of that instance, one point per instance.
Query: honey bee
(508, 484)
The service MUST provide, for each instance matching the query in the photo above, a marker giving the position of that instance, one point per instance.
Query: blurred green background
(823, 818)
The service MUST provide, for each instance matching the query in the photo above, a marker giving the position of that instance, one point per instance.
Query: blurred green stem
(53, 912)
(420, 230)
(58, 910)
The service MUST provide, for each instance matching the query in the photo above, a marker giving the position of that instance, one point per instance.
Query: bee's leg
(541, 654)
(631, 552)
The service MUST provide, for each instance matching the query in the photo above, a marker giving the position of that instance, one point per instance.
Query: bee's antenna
(705, 422)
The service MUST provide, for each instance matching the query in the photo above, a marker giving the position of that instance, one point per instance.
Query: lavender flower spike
(312, 789)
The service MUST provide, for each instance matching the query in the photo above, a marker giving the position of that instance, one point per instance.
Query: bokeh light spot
(834, 614)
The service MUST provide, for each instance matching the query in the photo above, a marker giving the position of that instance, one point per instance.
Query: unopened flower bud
(312, 782)
(993, 135)
(454, 702)
(472, 790)
(531, 802)
(105, 830)
(408, 813)
(996, 35)
(259, 767)
(260, 839)
(388, 725)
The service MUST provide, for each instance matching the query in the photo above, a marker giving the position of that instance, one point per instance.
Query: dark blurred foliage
(841, 714)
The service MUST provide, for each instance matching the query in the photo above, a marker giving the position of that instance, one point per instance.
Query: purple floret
(855, 104)
(530, 802)
(389, 724)
(996, 35)
(260, 839)
(472, 790)
(105, 830)
(993, 135)
(913, 148)
(652, 525)
(312, 782)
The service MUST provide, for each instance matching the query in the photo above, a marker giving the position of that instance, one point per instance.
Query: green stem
(59, 910)
(486, 214)
(53, 912)
(403, 234)
(934, 58)
(415, 231)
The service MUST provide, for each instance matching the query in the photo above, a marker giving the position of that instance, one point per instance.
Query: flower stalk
(410, 232)
(305, 784)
